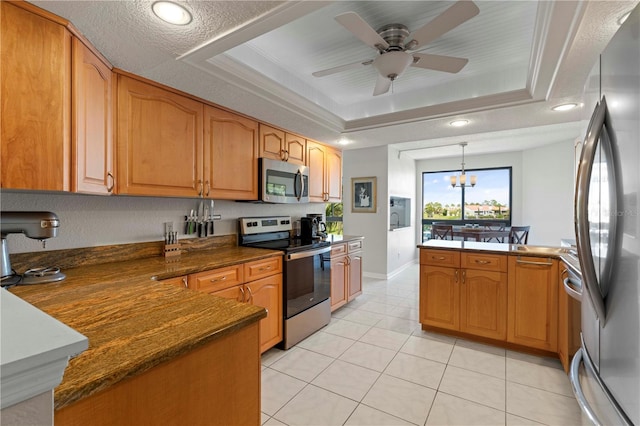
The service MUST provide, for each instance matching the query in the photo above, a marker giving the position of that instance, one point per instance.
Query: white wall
(542, 187)
(88, 221)
(373, 226)
(548, 182)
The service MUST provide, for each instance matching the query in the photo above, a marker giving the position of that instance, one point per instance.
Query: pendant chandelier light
(461, 181)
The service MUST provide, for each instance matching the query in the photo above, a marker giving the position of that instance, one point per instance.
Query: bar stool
(442, 232)
(519, 235)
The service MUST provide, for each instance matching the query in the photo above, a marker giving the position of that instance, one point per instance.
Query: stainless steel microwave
(282, 182)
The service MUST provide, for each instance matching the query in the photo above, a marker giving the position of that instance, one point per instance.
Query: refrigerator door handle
(574, 377)
(581, 209)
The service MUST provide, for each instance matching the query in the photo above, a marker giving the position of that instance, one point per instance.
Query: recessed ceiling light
(171, 12)
(459, 123)
(564, 107)
(343, 141)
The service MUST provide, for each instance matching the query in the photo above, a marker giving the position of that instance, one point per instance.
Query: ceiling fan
(395, 54)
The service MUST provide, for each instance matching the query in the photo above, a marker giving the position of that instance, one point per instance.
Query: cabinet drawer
(354, 246)
(216, 279)
(338, 250)
(484, 261)
(448, 258)
(262, 268)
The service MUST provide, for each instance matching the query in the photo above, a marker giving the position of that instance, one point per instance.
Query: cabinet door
(237, 293)
(483, 303)
(316, 161)
(231, 156)
(216, 279)
(334, 175)
(159, 141)
(271, 143)
(355, 276)
(338, 282)
(35, 88)
(177, 281)
(296, 147)
(440, 297)
(533, 302)
(92, 153)
(267, 293)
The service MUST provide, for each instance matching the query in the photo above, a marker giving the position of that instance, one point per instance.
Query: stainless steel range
(306, 276)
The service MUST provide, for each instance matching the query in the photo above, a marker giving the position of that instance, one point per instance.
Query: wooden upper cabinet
(334, 175)
(160, 147)
(231, 155)
(316, 161)
(35, 89)
(279, 145)
(92, 126)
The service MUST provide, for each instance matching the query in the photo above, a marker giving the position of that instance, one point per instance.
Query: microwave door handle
(581, 209)
(297, 194)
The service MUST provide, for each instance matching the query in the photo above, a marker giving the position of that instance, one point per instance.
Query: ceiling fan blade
(383, 84)
(439, 62)
(359, 27)
(457, 14)
(341, 68)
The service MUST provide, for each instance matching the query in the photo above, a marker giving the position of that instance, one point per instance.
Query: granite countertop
(338, 239)
(134, 322)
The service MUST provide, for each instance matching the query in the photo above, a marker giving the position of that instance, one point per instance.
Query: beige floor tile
(434, 350)
(302, 364)
(316, 406)
(368, 356)
(399, 325)
(274, 422)
(495, 350)
(542, 406)
(451, 410)
(385, 338)
(346, 379)
(271, 356)
(348, 329)
(408, 313)
(377, 307)
(539, 376)
(435, 336)
(476, 387)
(367, 416)
(400, 398)
(364, 317)
(342, 312)
(277, 389)
(479, 361)
(534, 359)
(417, 370)
(326, 344)
(263, 418)
(520, 421)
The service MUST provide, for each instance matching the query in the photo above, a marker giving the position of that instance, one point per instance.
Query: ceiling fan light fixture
(392, 63)
(171, 12)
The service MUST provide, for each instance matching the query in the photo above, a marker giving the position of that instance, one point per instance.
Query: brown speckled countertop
(133, 322)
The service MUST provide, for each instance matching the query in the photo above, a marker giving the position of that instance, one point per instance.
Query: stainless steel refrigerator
(605, 372)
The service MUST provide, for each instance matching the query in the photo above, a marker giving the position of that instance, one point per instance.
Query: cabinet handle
(456, 274)
(184, 281)
(549, 262)
(482, 262)
(113, 182)
(199, 187)
(438, 258)
(264, 268)
(224, 277)
(286, 155)
(242, 292)
(464, 276)
(208, 187)
(250, 294)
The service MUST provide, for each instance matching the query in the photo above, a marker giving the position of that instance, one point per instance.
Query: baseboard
(392, 274)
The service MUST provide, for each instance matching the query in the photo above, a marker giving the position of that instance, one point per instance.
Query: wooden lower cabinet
(177, 281)
(346, 273)
(259, 283)
(471, 300)
(533, 302)
(216, 384)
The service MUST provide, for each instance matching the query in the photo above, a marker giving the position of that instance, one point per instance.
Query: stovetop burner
(290, 245)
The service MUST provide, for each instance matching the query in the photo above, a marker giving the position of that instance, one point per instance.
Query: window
(333, 214)
(488, 201)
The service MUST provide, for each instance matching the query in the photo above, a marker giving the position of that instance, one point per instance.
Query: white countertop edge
(34, 350)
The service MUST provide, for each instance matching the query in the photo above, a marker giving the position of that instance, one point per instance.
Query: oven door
(307, 279)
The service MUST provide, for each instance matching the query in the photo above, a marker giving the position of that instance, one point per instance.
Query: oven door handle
(306, 253)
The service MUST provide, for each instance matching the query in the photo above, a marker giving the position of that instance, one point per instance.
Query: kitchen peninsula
(502, 294)
(160, 353)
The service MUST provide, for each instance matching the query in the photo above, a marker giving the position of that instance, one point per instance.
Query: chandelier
(461, 181)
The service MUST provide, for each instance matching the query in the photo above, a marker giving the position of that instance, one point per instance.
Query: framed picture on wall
(363, 198)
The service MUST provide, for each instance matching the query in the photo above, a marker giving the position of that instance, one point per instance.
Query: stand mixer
(36, 225)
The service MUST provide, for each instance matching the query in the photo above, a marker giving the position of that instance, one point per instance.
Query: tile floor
(373, 365)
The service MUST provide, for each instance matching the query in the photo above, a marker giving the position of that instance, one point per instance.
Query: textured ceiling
(257, 57)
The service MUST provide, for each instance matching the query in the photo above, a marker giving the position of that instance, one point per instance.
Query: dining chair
(442, 232)
(519, 234)
(494, 226)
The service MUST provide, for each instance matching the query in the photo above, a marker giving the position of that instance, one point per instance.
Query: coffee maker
(321, 227)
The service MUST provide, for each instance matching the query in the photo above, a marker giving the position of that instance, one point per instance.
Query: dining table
(481, 233)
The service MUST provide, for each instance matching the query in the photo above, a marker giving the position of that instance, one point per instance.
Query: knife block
(172, 252)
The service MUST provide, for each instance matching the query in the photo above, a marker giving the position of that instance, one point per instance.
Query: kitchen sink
(541, 250)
